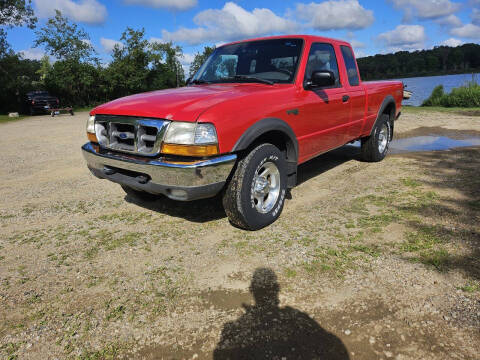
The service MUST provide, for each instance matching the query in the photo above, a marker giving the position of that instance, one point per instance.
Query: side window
(322, 57)
(349, 59)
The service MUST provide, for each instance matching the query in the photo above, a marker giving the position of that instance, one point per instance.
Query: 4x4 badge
(292, 112)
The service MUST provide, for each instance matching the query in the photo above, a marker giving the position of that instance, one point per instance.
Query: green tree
(17, 13)
(200, 58)
(45, 68)
(74, 76)
(17, 76)
(64, 40)
(139, 65)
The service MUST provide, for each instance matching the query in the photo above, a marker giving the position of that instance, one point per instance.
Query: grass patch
(372, 250)
(410, 182)
(11, 348)
(126, 217)
(333, 260)
(109, 241)
(115, 313)
(471, 287)
(290, 273)
(426, 243)
(468, 111)
(5, 118)
(426, 237)
(438, 258)
(110, 352)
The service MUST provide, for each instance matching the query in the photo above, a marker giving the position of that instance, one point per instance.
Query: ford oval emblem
(122, 136)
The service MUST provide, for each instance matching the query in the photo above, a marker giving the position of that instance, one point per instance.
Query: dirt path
(368, 261)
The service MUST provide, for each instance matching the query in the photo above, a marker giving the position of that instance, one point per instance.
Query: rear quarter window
(351, 65)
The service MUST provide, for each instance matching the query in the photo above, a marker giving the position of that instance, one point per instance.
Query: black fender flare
(262, 127)
(386, 102)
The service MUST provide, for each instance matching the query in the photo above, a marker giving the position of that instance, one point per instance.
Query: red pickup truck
(253, 112)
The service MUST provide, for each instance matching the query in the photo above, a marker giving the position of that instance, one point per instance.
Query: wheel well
(280, 140)
(390, 111)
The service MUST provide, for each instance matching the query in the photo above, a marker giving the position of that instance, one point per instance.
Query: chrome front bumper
(179, 181)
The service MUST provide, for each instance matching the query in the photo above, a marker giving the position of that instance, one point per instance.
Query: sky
(371, 26)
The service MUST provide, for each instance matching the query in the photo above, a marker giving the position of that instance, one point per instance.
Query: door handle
(345, 98)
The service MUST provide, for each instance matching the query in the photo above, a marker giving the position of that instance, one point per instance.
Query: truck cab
(253, 112)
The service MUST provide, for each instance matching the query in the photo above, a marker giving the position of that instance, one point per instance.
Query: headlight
(91, 129)
(205, 134)
(184, 133)
(181, 133)
(91, 124)
(190, 139)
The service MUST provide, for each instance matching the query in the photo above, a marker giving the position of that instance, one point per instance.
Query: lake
(422, 86)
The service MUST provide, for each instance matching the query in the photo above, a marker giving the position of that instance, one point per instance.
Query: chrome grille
(135, 135)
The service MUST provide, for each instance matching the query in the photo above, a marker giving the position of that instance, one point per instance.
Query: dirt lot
(368, 261)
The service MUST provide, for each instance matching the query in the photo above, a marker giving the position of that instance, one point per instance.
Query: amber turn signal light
(92, 137)
(189, 150)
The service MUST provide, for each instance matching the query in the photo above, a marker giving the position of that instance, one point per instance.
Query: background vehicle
(39, 101)
(253, 112)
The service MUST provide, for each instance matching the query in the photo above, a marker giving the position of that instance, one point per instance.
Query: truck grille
(130, 134)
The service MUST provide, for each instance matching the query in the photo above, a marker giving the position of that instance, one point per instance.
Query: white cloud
(109, 44)
(404, 37)
(330, 15)
(187, 59)
(450, 21)
(232, 22)
(452, 42)
(179, 5)
(426, 9)
(86, 11)
(357, 44)
(476, 16)
(32, 53)
(467, 31)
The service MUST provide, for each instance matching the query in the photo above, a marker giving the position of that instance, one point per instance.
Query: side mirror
(322, 78)
(188, 80)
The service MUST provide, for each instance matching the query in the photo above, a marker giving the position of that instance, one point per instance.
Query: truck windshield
(265, 61)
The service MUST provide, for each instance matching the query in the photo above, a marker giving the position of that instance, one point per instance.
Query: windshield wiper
(253, 78)
(198, 82)
(247, 78)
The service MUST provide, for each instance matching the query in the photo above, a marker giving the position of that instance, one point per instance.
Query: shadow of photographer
(267, 331)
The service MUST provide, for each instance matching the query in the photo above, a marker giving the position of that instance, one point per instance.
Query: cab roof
(310, 38)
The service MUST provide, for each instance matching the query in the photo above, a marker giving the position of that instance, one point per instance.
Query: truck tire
(141, 195)
(255, 195)
(375, 147)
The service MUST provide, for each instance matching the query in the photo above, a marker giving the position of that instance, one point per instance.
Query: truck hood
(182, 104)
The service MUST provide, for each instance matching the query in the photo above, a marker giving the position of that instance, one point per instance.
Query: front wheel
(255, 195)
(375, 147)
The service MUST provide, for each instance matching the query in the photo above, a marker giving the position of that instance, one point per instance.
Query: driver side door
(325, 110)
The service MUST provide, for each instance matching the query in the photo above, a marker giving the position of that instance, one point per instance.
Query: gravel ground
(368, 261)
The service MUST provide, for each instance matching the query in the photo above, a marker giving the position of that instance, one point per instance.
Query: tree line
(78, 77)
(440, 60)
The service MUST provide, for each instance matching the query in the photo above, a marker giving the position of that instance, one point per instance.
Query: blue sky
(372, 26)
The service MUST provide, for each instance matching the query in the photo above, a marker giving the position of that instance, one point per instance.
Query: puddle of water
(226, 299)
(427, 143)
(430, 143)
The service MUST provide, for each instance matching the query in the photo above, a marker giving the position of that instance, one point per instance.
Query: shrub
(467, 95)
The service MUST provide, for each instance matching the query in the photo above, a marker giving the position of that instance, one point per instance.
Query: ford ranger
(253, 112)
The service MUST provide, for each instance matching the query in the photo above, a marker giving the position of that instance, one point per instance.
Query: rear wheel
(375, 147)
(141, 195)
(255, 196)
